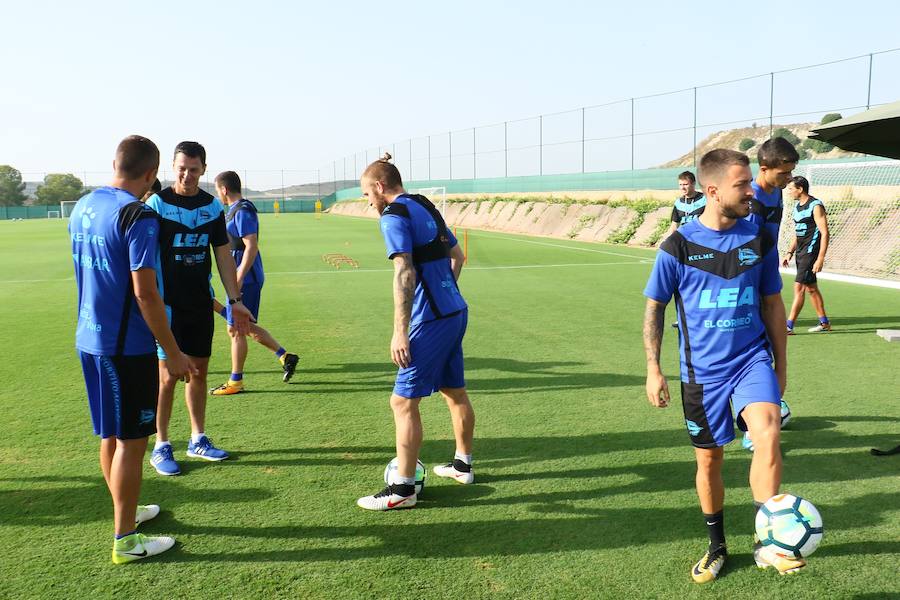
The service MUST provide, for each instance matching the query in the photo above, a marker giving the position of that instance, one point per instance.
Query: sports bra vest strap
(439, 247)
(237, 242)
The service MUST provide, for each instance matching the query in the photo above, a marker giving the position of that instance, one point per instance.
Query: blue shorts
(437, 357)
(122, 394)
(708, 406)
(250, 296)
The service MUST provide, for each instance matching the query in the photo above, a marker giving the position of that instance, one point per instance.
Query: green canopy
(875, 131)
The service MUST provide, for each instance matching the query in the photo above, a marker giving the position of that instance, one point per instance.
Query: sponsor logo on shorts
(148, 415)
(693, 428)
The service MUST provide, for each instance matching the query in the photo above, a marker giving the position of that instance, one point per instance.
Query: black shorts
(122, 394)
(193, 330)
(805, 273)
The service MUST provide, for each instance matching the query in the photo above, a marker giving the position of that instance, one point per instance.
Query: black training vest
(237, 242)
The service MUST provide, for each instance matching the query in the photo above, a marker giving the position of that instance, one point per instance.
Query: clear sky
(270, 85)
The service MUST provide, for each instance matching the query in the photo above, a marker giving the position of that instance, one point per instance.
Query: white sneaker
(137, 546)
(457, 470)
(765, 557)
(386, 499)
(820, 328)
(145, 512)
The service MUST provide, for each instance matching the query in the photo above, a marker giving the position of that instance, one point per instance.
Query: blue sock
(280, 352)
(823, 320)
(237, 376)
(119, 537)
(790, 324)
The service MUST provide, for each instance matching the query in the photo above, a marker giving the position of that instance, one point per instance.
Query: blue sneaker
(204, 449)
(164, 461)
(747, 443)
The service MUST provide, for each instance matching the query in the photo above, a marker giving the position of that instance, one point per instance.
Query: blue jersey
(112, 235)
(808, 235)
(688, 209)
(717, 279)
(766, 209)
(241, 221)
(411, 224)
(188, 226)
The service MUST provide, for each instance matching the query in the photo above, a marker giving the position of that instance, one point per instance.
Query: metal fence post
(771, 102)
(632, 134)
(410, 159)
(282, 185)
(695, 129)
(582, 140)
(450, 148)
(869, 88)
(541, 145)
(474, 154)
(505, 151)
(429, 158)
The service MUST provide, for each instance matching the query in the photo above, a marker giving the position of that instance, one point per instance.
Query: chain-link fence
(630, 135)
(659, 130)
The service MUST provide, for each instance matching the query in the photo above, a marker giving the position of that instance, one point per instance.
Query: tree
(11, 187)
(746, 144)
(59, 187)
(787, 134)
(830, 117)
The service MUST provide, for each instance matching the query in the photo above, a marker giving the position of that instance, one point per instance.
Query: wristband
(234, 300)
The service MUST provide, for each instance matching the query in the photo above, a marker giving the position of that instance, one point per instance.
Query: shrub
(786, 134)
(830, 117)
(746, 144)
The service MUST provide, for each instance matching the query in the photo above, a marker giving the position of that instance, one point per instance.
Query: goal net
(862, 201)
(438, 197)
(53, 214)
(66, 207)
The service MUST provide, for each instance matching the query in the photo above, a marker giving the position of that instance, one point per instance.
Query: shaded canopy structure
(875, 131)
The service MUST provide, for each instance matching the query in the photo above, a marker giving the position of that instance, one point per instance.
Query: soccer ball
(391, 469)
(790, 525)
(785, 414)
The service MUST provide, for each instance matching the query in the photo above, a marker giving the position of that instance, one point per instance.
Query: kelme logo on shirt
(87, 216)
(747, 257)
(693, 428)
(707, 256)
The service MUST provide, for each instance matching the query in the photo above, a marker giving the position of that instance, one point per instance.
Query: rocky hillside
(732, 138)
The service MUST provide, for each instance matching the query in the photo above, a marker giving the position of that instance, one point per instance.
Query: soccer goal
(53, 214)
(66, 207)
(438, 197)
(862, 201)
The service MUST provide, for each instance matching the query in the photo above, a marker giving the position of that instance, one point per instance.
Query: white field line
(552, 245)
(465, 269)
(348, 271)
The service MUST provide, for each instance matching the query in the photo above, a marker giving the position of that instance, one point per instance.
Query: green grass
(583, 490)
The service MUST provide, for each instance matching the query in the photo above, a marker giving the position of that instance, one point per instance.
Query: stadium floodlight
(53, 214)
(437, 195)
(861, 201)
(66, 207)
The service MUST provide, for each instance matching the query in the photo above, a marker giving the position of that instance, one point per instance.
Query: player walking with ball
(723, 274)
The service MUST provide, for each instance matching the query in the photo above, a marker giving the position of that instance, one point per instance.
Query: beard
(736, 212)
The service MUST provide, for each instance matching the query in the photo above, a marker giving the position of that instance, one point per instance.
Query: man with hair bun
(723, 274)
(430, 318)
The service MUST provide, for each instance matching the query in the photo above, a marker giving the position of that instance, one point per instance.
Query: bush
(830, 117)
(817, 145)
(746, 144)
(786, 134)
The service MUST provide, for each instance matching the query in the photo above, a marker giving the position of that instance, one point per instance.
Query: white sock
(160, 443)
(195, 437)
(466, 458)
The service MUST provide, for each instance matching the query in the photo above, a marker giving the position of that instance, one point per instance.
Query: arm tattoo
(404, 290)
(653, 329)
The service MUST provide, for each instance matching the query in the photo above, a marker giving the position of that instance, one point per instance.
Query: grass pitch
(583, 489)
